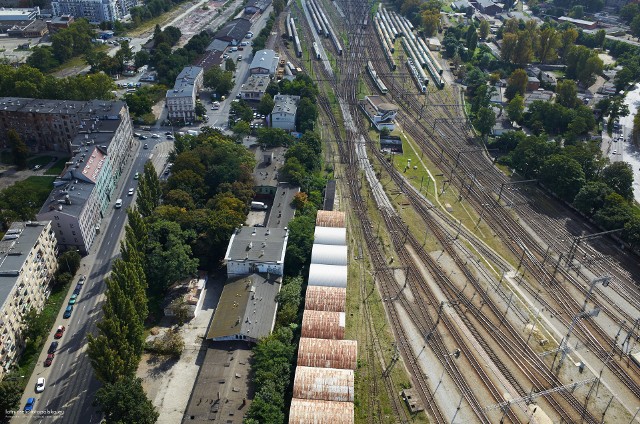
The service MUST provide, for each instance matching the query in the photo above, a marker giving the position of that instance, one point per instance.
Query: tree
(10, 394)
(306, 115)
(141, 58)
(635, 135)
(635, 26)
(484, 29)
(583, 64)
(530, 154)
(548, 43)
(515, 108)
(126, 402)
(577, 12)
(229, 65)
(615, 212)
(523, 51)
(619, 176)
(567, 40)
(516, 83)
(241, 129)
(19, 150)
(200, 109)
(591, 197)
(471, 39)
(509, 41)
(69, 261)
(265, 107)
(149, 193)
(564, 176)
(242, 110)
(430, 22)
(632, 231)
(300, 242)
(485, 120)
(623, 78)
(567, 93)
(629, 11)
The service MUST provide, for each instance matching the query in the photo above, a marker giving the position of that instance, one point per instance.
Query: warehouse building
(327, 353)
(328, 275)
(323, 325)
(234, 31)
(330, 235)
(264, 62)
(329, 255)
(305, 411)
(256, 250)
(321, 298)
(334, 219)
(324, 384)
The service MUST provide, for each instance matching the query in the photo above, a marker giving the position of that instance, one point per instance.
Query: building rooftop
(328, 254)
(304, 411)
(282, 210)
(257, 244)
(323, 324)
(330, 235)
(320, 298)
(18, 13)
(15, 246)
(266, 58)
(576, 21)
(185, 82)
(247, 307)
(329, 200)
(323, 384)
(268, 161)
(327, 353)
(328, 275)
(234, 30)
(258, 4)
(256, 83)
(285, 103)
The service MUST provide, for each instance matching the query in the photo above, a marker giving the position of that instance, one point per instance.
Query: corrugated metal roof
(330, 235)
(321, 298)
(326, 353)
(335, 219)
(305, 411)
(328, 275)
(329, 255)
(323, 325)
(323, 384)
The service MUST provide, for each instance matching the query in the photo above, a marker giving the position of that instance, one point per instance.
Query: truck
(260, 206)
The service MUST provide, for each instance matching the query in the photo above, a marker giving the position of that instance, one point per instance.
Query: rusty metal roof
(326, 353)
(330, 219)
(305, 411)
(321, 298)
(323, 324)
(323, 384)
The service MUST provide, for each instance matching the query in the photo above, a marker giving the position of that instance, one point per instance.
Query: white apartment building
(95, 11)
(181, 99)
(27, 264)
(284, 112)
(82, 193)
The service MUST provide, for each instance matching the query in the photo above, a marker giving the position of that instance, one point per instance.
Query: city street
(70, 384)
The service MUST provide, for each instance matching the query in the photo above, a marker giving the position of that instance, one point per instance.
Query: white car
(40, 385)
(615, 152)
(131, 192)
(155, 136)
(118, 203)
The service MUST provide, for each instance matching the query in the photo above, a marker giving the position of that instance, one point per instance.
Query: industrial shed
(330, 235)
(334, 219)
(326, 353)
(305, 411)
(323, 325)
(323, 384)
(328, 275)
(329, 255)
(320, 298)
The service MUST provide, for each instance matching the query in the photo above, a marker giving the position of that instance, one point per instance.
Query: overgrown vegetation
(22, 200)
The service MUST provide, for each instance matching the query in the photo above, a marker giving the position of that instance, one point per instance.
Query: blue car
(67, 312)
(29, 406)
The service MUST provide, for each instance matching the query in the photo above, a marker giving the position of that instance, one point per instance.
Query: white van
(234, 49)
(118, 203)
(258, 206)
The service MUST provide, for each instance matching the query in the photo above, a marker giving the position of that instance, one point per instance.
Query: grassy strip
(39, 160)
(41, 186)
(57, 167)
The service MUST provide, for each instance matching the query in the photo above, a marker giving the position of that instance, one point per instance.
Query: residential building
(95, 11)
(264, 62)
(256, 250)
(533, 83)
(380, 113)
(255, 87)
(247, 308)
(181, 100)
(234, 31)
(488, 7)
(57, 23)
(284, 112)
(19, 14)
(28, 29)
(27, 264)
(83, 191)
(53, 124)
(256, 6)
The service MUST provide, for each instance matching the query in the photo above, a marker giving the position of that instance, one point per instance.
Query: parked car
(143, 137)
(67, 312)
(49, 360)
(73, 299)
(59, 332)
(29, 406)
(169, 137)
(155, 136)
(146, 146)
(40, 385)
(53, 347)
(83, 278)
(35, 168)
(77, 289)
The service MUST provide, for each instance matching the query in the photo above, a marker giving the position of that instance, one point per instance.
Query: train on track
(316, 50)
(376, 79)
(296, 39)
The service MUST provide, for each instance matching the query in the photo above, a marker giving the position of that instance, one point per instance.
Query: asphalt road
(70, 383)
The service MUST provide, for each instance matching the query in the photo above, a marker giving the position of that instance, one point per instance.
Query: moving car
(59, 332)
(146, 146)
(29, 406)
(73, 299)
(169, 137)
(40, 385)
(135, 177)
(130, 192)
(67, 312)
(118, 203)
(53, 347)
(155, 136)
(143, 137)
(49, 360)
(615, 152)
(35, 168)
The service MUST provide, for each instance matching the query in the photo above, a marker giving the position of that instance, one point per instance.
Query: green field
(57, 167)
(39, 160)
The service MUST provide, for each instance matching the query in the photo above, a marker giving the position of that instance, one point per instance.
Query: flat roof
(256, 83)
(257, 244)
(282, 210)
(285, 103)
(247, 307)
(185, 82)
(236, 29)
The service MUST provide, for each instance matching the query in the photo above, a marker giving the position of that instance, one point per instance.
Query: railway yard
(489, 299)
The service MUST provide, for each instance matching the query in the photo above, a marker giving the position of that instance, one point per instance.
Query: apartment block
(95, 11)
(27, 264)
(181, 100)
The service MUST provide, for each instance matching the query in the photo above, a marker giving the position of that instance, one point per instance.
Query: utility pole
(564, 343)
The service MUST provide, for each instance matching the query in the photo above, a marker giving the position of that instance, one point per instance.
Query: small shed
(329, 255)
(305, 411)
(328, 275)
(327, 353)
(335, 219)
(320, 298)
(323, 324)
(330, 235)
(323, 384)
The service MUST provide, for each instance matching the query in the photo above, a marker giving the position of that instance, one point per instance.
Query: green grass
(6, 157)
(39, 185)
(57, 167)
(39, 160)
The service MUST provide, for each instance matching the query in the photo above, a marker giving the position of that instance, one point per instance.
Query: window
(73, 232)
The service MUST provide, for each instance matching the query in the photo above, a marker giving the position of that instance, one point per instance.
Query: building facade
(83, 192)
(264, 62)
(284, 112)
(95, 11)
(27, 264)
(255, 87)
(181, 100)
(256, 250)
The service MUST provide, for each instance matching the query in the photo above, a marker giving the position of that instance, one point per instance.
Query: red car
(59, 332)
(49, 359)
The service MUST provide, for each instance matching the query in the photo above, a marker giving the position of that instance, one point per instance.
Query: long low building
(305, 411)
(321, 298)
(327, 353)
(335, 219)
(324, 384)
(329, 255)
(328, 275)
(256, 250)
(323, 325)
(330, 235)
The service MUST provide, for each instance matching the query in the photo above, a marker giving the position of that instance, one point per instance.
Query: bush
(170, 344)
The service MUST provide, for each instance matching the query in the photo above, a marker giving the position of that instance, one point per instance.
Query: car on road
(169, 137)
(49, 360)
(239, 58)
(155, 136)
(73, 299)
(167, 133)
(146, 146)
(130, 192)
(53, 347)
(40, 385)
(135, 177)
(67, 312)
(59, 332)
(615, 152)
(118, 203)
(29, 406)
(143, 137)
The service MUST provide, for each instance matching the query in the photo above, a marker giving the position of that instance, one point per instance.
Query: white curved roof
(328, 275)
(330, 235)
(329, 255)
